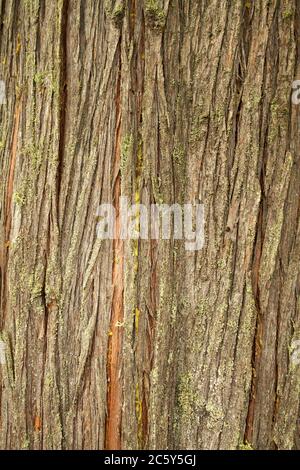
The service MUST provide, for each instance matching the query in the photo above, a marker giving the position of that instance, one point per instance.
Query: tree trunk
(140, 343)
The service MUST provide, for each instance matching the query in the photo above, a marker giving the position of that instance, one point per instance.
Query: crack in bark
(258, 328)
(63, 91)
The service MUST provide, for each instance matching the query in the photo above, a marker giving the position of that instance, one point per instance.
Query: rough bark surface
(141, 344)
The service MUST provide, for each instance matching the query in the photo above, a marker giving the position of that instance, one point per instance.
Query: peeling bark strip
(8, 208)
(114, 364)
(141, 344)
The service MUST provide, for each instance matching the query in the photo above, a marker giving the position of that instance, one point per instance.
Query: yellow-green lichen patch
(126, 149)
(245, 446)
(155, 15)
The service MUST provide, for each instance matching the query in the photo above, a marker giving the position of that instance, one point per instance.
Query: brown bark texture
(140, 344)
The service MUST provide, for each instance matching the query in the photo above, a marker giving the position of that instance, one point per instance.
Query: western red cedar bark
(142, 344)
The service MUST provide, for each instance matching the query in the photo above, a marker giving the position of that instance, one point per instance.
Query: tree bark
(142, 344)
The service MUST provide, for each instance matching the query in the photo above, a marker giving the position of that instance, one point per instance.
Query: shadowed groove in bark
(258, 328)
(2, 13)
(63, 89)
